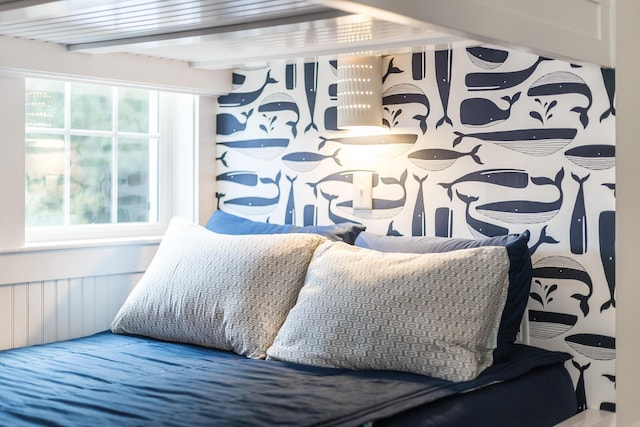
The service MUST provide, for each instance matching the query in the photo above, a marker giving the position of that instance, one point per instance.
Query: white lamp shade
(359, 91)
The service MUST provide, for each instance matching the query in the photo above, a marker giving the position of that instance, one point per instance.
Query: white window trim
(178, 194)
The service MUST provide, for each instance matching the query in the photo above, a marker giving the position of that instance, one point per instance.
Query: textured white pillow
(221, 291)
(429, 314)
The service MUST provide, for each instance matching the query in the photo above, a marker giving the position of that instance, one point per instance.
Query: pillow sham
(363, 309)
(226, 223)
(519, 271)
(227, 292)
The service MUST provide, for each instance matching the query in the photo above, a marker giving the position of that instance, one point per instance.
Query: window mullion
(67, 155)
(114, 157)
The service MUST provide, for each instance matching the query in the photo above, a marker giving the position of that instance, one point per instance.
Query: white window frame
(79, 232)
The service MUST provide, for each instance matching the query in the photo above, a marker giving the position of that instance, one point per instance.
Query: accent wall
(484, 141)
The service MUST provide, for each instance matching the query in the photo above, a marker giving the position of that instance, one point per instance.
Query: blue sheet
(109, 379)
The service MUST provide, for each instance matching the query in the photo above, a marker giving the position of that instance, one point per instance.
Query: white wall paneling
(53, 310)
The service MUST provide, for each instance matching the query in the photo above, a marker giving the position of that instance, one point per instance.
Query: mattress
(109, 379)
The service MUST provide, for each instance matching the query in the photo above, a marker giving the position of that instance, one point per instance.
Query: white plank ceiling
(211, 34)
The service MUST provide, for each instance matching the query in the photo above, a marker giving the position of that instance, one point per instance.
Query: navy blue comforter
(109, 379)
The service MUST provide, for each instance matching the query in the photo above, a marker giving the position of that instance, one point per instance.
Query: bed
(295, 327)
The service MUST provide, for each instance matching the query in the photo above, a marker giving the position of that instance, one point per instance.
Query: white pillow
(429, 314)
(221, 291)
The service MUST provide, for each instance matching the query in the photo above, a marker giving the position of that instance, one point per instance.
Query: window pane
(90, 180)
(91, 107)
(133, 180)
(133, 111)
(44, 180)
(44, 103)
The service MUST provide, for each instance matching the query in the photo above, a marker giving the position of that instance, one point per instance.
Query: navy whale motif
(535, 142)
(513, 178)
(381, 208)
(561, 268)
(498, 81)
(478, 228)
(239, 177)
(407, 93)
(228, 124)
(335, 218)
(581, 392)
(436, 159)
(281, 102)
(261, 148)
(597, 347)
(480, 112)
(306, 161)
(564, 82)
(543, 238)
(444, 63)
(290, 211)
(237, 99)
(609, 80)
(391, 69)
(343, 176)
(311, 89)
(419, 223)
(594, 157)
(253, 205)
(526, 211)
(578, 228)
(487, 58)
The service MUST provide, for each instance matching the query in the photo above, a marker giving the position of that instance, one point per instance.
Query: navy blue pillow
(226, 223)
(519, 271)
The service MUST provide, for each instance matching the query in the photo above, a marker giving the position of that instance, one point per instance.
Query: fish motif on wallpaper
(594, 157)
(527, 211)
(228, 124)
(256, 205)
(281, 103)
(482, 112)
(222, 159)
(237, 99)
(512, 178)
(560, 83)
(444, 63)
(381, 208)
(437, 159)
(260, 148)
(499, 81)
(535, 142)
(306, 161)
(565, 271)
(405, 94)
(487, 58)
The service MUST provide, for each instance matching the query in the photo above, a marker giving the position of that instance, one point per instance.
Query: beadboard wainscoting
(54, 293)
(53, 310)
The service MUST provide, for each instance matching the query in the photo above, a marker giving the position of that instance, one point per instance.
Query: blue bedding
(109, 379)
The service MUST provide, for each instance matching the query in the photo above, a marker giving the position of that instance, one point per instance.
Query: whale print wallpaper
(484, 141)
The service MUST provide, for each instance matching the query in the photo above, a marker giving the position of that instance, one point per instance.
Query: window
(91, 155)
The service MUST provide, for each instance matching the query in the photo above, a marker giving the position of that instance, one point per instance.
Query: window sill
(76, 259)
(82, 243)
